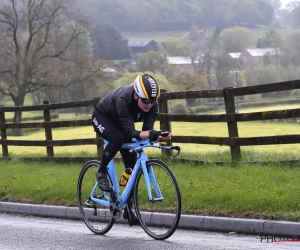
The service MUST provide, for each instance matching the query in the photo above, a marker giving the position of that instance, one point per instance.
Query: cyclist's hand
(160, 135)
(153, 135)
(165, 136)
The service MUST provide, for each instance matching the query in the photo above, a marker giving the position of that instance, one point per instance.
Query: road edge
(191, 222)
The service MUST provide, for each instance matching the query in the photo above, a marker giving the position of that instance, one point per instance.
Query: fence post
(232, 125)
(48, 130)
(3, 134)
(165, 125)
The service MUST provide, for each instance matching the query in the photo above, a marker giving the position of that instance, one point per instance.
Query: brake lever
(176, 148)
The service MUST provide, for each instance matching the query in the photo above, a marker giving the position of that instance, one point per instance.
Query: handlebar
(138, 145)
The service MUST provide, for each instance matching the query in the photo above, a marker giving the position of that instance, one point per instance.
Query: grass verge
(261, 191)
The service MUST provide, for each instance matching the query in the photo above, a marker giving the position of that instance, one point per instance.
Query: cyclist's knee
(118, 141)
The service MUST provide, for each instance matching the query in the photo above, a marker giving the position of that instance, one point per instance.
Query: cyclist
(114, 117)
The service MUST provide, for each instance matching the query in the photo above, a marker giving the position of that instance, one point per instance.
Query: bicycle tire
(159, 219)
(97, 217)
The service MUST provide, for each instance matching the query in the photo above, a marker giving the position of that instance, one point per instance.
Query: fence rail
(231, 117)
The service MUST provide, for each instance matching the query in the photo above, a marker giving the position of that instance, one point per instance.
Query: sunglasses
(146, 101)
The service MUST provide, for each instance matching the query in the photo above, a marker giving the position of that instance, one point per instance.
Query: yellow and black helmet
(146, 87)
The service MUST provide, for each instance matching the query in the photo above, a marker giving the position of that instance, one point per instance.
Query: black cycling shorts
(107, 130)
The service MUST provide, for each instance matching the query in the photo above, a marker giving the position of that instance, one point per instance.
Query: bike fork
(150, 179)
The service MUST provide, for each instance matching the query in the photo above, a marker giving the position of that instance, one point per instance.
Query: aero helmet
(146, 87)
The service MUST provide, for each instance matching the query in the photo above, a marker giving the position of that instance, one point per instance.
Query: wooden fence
(231, 117)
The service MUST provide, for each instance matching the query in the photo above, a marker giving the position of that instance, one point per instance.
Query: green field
(156, 36)
(283, 32)
(256, 109)
(178, 35)
(246, 129)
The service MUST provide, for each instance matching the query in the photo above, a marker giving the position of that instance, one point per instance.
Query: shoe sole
(104, 189)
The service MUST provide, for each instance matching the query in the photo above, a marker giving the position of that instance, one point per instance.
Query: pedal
(87, 204)
(98, 196)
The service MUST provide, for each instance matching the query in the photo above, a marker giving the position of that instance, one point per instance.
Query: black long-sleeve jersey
(121, 107)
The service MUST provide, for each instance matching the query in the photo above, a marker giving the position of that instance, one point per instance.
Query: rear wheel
(97, 217)
(160, 217)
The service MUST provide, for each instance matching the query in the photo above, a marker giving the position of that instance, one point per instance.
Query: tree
(290, 14)
(197, 39)
(217, 12)
(245, 12)
(104, 11)
(109, 43)
(266, 12)
(236, 39)
(211, 45)
(251, 12)
(223, 12)
(150, 61)
(37, 49)
(141, 14)
(190, 10)
(276, 4)
(296, 17)
(263, 75)
(292, 50)
(128, 78)
(176, 48)
(223, 65)
(272, 39)
(187, 80)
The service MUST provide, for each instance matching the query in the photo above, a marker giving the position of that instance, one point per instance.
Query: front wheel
(161, 215)
(97, 217)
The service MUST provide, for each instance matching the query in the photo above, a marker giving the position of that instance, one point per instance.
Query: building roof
(179, 60)
(263, 51)
(235, 55)
(138, 43)
(109, 70)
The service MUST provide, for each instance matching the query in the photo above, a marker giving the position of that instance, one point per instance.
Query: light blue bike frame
(140, 163)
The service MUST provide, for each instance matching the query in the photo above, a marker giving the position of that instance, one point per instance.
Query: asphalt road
(29, 232)
(206, 223)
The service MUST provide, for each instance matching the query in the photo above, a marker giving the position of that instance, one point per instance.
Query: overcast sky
(285, 2)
